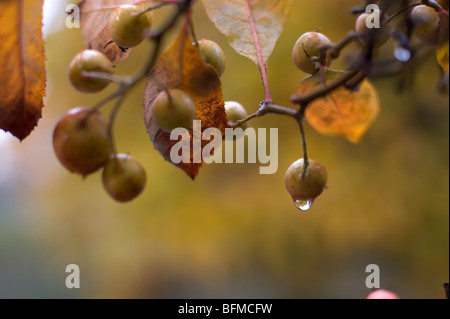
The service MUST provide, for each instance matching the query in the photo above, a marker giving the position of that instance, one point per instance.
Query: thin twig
(336, 50)
(112, 120)
(323, 91)
(401, 11)
(268, 108)
(300, 119)
(154, 7)
(107, 77)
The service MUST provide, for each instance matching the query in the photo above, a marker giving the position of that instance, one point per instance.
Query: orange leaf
(181, 66)
(95, 16)
(343, 113)
(22, 66)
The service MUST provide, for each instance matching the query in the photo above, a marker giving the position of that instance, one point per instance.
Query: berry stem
(112, 120)
(401, 11)
(102, 76)
(152, 8)
(300, 119)
(193, 33)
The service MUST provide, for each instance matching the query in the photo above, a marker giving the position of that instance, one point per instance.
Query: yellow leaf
(236, 18)
(22, 66)
(343, 113)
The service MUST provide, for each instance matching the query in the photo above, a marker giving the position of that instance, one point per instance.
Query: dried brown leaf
(181, 66)
(22, 66)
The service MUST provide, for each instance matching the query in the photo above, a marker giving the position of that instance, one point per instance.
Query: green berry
(89, 61)
(235, 112)
(129, 28)
(174, 109)
(309, 46)
(306, 187)
(427, 23)
(124, 178)
(212, 54)
(381, 35)
(81, 141)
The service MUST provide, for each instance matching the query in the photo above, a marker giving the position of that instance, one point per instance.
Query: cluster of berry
(306, 180)
(82, 139)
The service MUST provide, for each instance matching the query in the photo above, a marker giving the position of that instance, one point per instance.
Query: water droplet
(304, 205)
(402, 54)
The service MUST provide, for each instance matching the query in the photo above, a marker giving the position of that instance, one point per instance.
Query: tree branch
(305, 100)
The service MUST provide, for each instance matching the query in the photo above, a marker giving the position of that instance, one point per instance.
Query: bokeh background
(233, 233)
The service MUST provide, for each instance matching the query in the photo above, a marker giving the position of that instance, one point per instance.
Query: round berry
(124, 178)
(236, 112)
(89, 61)
(427, 23)
(379, 35)
(81, 141)
(309, 46)
(174, 109)
(382, 294)
(129, 26)
(212, 54)
(306, 186)
(424, 15)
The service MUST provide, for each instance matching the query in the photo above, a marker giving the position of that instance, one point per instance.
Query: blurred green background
(234, 233)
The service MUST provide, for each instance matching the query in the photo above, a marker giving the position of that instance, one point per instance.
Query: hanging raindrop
(304, 205)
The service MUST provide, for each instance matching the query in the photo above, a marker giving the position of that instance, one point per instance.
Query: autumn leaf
(237, 20)
(95, 16)
(251, 27)
(343, 113)
(181, 66)
(443, 57)
(22, 66)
